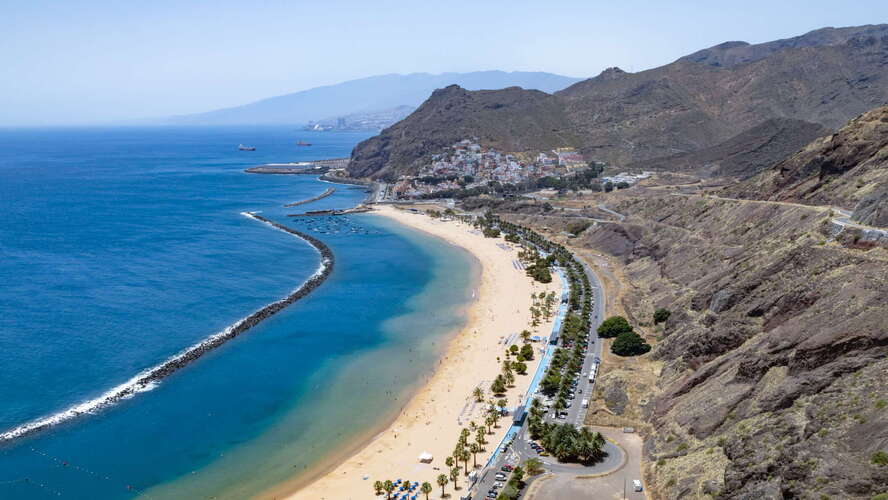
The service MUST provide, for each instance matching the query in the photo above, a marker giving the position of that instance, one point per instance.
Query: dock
(315, 167)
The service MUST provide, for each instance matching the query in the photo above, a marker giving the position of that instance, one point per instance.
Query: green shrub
(880, 458)
(661, 315)
(630, 344)
(613, 326)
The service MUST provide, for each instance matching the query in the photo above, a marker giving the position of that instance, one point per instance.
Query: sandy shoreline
(432, 419)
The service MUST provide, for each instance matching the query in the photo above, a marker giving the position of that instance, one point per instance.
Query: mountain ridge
(825, 77)
(364, 95)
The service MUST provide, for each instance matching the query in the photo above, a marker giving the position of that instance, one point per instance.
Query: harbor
(314, 167)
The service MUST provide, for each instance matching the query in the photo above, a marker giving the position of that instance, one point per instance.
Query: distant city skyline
(84, 62)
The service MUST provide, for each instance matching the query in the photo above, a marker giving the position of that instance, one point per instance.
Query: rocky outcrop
(872, 210)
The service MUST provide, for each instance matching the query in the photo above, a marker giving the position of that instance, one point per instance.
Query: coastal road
(519, 450)
(576, 414)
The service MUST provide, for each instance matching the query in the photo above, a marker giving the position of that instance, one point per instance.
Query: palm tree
(525, 336)
(448, 461)
(533, 466)
(426, 488)
(475, 448)
(510, 379)
(479, 437)
(465, 455)
(442, 482)
(388, 486)
(377, 488)
(490, 420)
(454, 475)
(479, 394)
(464, 436)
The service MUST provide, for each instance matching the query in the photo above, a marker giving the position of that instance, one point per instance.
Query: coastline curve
(148, 379)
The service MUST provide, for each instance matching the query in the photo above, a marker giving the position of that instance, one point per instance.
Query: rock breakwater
(149, 378)
(323, 195)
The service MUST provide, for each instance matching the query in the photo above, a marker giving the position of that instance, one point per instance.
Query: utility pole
(624, 485)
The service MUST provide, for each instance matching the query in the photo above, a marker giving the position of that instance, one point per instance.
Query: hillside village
(467, 165)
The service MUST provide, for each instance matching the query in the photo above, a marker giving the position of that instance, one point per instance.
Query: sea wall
(323, 195)
(148, 379)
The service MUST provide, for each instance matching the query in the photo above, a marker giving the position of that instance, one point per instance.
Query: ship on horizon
(303, 143)
(241, 147)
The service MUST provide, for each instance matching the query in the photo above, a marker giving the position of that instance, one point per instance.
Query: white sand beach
(431, 421)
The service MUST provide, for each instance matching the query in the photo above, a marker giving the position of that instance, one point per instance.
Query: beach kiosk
(426, 457)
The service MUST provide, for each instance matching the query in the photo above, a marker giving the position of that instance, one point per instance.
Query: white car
(636, 485)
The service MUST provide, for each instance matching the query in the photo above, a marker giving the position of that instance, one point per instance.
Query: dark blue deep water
(121, 247)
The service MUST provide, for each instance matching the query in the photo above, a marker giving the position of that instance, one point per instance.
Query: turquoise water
(120, 248)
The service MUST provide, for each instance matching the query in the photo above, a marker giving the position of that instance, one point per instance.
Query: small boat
(303, 143)
(241, 147)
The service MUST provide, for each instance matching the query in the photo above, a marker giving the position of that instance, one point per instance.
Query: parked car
(636, 485)
(506, 468)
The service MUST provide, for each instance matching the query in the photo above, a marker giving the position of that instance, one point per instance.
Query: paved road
(563, 486)
(519, 450)
(615, 214)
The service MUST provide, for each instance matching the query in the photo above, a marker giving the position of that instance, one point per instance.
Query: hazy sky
(86, 61)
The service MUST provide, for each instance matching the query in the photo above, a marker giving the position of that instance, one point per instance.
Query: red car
(507, 468)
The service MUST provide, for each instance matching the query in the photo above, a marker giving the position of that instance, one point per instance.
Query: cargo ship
(241, 147)
(303, 143)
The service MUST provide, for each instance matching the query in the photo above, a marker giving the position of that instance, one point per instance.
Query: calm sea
(121, 247)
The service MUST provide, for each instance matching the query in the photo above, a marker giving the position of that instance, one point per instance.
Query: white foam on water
(148, 379)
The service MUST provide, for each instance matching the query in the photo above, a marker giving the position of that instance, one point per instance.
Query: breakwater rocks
(304, 167)
(148, 379)
(325, 194)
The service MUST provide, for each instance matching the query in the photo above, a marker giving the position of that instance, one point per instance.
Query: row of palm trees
(388, 487)
(464, 450)
(462, 453)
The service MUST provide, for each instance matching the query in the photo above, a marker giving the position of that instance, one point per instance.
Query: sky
(79, 62)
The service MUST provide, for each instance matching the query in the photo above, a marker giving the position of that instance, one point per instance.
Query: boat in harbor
(303, 143)
(241, 147)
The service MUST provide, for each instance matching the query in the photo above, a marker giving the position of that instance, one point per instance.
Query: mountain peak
(612, 73)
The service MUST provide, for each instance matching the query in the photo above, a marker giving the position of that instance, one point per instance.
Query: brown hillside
(825, 77)
(511, 119)
(743, 155)
(842, 169)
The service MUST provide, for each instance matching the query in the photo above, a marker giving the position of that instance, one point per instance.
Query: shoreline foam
(149, 378)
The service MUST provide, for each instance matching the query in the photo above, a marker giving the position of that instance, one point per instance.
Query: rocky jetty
(323, 195)
(149, 378)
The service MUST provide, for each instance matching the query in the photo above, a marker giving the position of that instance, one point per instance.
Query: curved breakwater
(149, 378)
(323, 195)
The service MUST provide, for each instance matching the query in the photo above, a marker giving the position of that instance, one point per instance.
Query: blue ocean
(120, 248)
